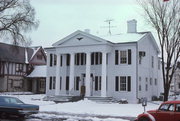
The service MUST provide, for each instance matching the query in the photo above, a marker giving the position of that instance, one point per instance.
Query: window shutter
(51, 58)
(50, 83)
(117, 84)
(96, 83)
(116, 57)
(129, 83)
(129, 56)
(67, 83)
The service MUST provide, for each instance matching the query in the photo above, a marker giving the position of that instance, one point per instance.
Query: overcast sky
(59, 18)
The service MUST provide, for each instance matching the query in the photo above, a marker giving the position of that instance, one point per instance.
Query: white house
(123, 66)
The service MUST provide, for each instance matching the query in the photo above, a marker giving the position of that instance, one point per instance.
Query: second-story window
(80, 59)
(19, 67)
(96, 58)
(55, 59)
(123, 57)
(152, 59)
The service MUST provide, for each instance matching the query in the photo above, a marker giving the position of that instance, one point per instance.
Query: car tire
(4, 115)
(144, 119)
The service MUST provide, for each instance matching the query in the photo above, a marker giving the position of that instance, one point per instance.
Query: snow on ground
(86, 107)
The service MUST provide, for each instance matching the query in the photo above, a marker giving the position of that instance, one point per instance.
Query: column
(71, 83)
(47, 76)
(103, 84)
(57, 88)
(88, 74)
(64, 73)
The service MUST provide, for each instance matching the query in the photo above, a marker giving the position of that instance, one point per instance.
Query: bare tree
(16, 18)
(165, 19)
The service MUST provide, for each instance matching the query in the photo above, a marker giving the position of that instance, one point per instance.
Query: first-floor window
(77, 80)
(155, 81)
(123, 83)
(54, 82)
(97, 83)
(60, 86)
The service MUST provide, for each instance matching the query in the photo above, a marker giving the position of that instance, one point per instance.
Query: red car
(168, 111)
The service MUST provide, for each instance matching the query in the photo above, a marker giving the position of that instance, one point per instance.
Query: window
(167, 107)
(140, 84)
(146, 87)
(152, 59)
(179, 85)
(150, 81)
(54, 82)
(80, 59)
(97, 83)
(96, 58)
(41, 84)
(122, 83)
(55, 59)
(77, 80)
(155, 81)
(19, 67)
(177, 107)
(123, 57)
(67, 83)
(164, 107)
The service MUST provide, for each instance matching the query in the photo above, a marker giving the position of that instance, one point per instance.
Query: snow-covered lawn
(86, 107)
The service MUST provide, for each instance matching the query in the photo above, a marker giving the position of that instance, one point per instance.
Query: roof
(174, 101)
(14, 53)
(39, 71)
(124, 38)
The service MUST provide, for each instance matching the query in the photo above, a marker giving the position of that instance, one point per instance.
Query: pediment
(80, 38)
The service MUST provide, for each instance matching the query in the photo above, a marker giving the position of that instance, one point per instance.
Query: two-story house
(122, 66)
(16, 63)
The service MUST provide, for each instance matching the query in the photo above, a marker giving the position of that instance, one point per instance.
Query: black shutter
(129, 83)
(117, 83)
(67, 83)
(129, 56)
(116, 57)
(51, 57)
(96, 83)
(50, 83)
(92, 58)
(68, 59)
(61, 60)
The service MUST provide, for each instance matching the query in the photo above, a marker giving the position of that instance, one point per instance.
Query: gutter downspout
(137, 71)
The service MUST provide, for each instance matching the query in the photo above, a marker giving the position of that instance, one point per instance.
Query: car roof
(6, 97)
(174, 101)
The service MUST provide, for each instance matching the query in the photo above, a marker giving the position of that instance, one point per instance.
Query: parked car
(168, 111)
(13, 106)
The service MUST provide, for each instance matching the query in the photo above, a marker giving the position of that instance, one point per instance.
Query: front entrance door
(83, 87)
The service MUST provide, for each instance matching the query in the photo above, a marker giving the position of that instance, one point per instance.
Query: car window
(13, 101)
(177, 107)
(171, 107)
(164, 107)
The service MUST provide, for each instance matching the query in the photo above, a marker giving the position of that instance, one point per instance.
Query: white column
(88, 74)
(47, 76)
(57, 88)
(103, 84)
(71, 84)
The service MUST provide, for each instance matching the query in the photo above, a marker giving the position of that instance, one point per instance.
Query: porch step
(62, 99)
(102, 99)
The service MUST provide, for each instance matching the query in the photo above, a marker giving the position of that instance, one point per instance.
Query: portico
(81, 61)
